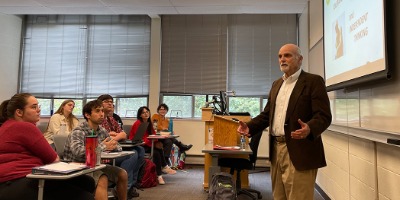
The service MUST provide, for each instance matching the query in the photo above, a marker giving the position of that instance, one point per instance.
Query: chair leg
(238, 180)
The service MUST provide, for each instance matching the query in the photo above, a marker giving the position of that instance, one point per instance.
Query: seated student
(163, 124)
(63, 116)
(23, 147)
(115, 131)
(143, 115)
(75, 148)
(117, 117)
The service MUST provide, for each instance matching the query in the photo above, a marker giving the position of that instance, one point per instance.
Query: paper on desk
(218, 147)
(58, 168)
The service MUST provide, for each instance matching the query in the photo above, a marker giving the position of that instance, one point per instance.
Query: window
(128, 107)
(45, 106)
(125, 107)
(193, 54)
(245, 104)
(199, 102)
(76, 56)
(78, 106)
(179, 106)
(254, 42)
(204, 54)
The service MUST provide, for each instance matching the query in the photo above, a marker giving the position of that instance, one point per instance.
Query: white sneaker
(168, 170)
(161, 180)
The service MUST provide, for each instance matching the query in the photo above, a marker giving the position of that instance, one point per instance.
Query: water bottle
(210, 135)
(98, 154)
(171, 126)
(242, 143)
(155, 125)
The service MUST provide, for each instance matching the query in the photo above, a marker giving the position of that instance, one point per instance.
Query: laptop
(138, 138)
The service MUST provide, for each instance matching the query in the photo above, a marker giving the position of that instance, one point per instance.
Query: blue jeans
(132, 164)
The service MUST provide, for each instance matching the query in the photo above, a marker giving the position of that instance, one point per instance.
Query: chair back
(254, 143)
(59, 142)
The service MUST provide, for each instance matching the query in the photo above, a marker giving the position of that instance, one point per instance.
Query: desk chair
(240, 164)
(59, 143)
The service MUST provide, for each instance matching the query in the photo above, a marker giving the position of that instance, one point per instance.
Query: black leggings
(158, 158)
(81, 187)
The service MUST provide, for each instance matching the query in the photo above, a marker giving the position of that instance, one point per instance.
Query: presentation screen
(354, 41)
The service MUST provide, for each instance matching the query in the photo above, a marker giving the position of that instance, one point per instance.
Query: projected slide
(354, 39)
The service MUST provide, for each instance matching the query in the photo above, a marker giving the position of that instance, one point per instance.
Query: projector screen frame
(384, 74)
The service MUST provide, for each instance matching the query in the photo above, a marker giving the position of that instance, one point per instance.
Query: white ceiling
(151, 7)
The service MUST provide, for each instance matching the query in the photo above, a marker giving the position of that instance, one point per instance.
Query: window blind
(86, 56)
(253, 46)
(193, 54)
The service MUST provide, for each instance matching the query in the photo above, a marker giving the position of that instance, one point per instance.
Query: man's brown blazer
(310, 103)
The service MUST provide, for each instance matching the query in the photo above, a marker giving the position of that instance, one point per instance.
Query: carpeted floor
(187, 184)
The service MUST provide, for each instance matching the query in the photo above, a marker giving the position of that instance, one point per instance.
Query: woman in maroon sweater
(22, 147)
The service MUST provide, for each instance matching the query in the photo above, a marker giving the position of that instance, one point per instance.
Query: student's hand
(110, 144)
(243, 129)
(301, 133)
(113, 133)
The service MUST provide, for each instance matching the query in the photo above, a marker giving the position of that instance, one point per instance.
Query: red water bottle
(91, 144)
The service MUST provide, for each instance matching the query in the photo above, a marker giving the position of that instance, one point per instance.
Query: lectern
(223, 130)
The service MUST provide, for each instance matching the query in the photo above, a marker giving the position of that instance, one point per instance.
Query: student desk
(129, 145)
(114, 155)
(43, 177)
(214, 168)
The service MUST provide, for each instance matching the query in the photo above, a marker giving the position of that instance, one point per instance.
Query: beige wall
(10, 34)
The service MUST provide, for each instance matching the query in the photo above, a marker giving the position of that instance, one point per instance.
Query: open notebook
(58, 168)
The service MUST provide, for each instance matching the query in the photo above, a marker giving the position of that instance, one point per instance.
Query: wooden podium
(223, 130)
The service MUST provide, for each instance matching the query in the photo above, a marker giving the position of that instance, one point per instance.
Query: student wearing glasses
(22, 147)
(163, 124)
(116, 132)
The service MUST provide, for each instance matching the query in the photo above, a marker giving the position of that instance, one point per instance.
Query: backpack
(177, 158)
(222, 187)
(147, 176)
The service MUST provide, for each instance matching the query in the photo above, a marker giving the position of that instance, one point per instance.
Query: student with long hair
(62, 117)
(143, 115)
(22, 147)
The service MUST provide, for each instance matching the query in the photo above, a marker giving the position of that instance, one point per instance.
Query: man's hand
(110, 144)
(113, 133)
(301, 133)
(118, 136)
(243, 129)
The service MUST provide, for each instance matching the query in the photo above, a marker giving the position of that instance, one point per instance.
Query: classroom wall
(10, 34)
(361, 166)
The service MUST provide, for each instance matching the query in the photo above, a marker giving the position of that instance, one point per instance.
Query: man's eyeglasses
(108, 101)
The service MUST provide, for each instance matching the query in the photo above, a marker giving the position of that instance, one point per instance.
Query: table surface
(125, 145)
(111, 155)
(162, 136)
(67, 176)
(209, 148)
